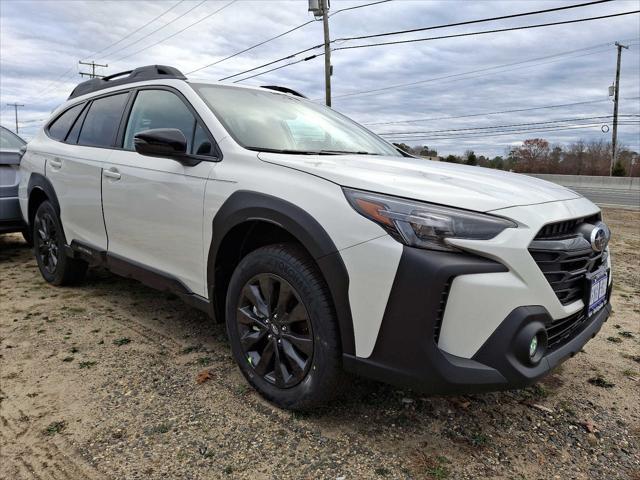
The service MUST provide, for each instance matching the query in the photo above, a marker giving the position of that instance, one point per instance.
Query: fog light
(533, 347)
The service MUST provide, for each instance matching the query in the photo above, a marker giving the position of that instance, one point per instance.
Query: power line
(306, 59)
(484, 32)
(567, 120)
(178, 32)
(259, 44)
(130, 34)
(470, 22)
(251, 47)
(600, 48)
(358, 6)
(524, 27)
(516, 110)
(502, 133)
(158, 29)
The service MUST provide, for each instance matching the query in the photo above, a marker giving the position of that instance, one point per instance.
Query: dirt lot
(99, 381)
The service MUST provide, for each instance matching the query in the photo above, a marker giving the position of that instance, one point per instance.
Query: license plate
(598, 292)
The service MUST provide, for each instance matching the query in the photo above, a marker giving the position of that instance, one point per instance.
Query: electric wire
(147, 35)
(259, 44)
(470, 22)
(177, 33)
(563, 55)
(130, 34)
(485, 32)
(566, 120)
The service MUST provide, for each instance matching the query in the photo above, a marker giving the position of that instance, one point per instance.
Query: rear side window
(101, 123)
(159, 109)
(60, 127)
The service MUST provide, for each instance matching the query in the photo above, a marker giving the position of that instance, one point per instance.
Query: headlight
(425, 225)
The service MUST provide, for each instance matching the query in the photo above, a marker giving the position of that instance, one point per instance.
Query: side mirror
(164, 142)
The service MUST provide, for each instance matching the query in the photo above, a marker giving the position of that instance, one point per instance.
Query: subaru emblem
(599, 237)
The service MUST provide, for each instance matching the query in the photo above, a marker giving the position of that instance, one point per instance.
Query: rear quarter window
(60, 127)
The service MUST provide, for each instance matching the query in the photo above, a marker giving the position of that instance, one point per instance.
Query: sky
(468, 77)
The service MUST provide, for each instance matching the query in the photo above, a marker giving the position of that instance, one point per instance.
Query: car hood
(462, 186)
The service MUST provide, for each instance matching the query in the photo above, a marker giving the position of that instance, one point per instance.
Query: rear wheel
(49, 247)
(282, 327)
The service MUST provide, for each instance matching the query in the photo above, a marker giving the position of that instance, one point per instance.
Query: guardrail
(588, 181)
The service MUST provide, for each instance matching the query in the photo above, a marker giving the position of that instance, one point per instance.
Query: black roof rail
(150, 72)
(278, 88)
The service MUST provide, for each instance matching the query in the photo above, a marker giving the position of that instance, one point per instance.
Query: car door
(153, 207)
(84, 135)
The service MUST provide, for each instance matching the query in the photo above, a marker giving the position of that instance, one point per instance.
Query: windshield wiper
(345, 152)
(308, 152)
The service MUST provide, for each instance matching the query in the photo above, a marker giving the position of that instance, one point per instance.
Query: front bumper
(407, 353)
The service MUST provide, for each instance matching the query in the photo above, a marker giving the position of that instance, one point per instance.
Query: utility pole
(15, 109)
(320, 8)
(93, 66)
(616, 96)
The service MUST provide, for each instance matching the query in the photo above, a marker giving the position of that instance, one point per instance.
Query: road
(610, 196)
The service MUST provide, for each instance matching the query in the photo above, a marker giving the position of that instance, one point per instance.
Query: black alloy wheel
(275, 330)
(47, 242)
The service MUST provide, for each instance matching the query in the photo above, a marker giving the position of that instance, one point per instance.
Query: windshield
(10, 140)
(269, 121)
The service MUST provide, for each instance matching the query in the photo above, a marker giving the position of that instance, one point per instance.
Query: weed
(381, 471)
(635, 358)
(626, 334)
(479, 439)
(191, 349)
(614, 339)
(121, 341)
(87, 364)
(67, 359)
(74, 350)
(629, 373)
(599, 381)
(162, 428)
(55, 427)
(204, 361)
(228, 470)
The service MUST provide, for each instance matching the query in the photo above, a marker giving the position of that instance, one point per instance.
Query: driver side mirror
(165, 143)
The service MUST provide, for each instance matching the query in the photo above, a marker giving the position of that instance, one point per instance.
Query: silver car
(11, 149)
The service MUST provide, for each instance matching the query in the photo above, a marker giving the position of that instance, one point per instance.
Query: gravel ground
(114, 380)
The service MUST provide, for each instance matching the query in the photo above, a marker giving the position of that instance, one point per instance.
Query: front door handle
(112, 173)
(55, 163)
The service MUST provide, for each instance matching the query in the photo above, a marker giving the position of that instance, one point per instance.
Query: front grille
(564, 228)
(561, 331)
(440, 313)
(565, 257)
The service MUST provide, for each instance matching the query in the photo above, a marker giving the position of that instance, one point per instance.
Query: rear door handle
(112, 173)
(55, 163)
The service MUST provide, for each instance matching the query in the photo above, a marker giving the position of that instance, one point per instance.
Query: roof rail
(150, 72)
(278, 88)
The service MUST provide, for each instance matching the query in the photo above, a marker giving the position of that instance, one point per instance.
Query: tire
(49, 248)
(304, 337)
(28, 238)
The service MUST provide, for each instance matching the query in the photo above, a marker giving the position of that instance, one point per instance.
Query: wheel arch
(40, 189)
(249, 220)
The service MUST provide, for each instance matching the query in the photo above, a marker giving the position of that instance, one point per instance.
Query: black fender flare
(40, 182)
(245, 205)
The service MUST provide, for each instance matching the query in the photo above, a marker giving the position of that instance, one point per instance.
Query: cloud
(41, 43)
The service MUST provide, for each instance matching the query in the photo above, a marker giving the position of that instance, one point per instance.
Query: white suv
(322, 247)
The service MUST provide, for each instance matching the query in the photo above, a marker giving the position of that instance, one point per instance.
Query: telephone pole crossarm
(93, 66)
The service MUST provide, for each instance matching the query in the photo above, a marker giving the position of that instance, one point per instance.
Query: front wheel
(49, 247)
(282, 327)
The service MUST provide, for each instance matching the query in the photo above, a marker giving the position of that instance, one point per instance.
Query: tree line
(537, 155)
